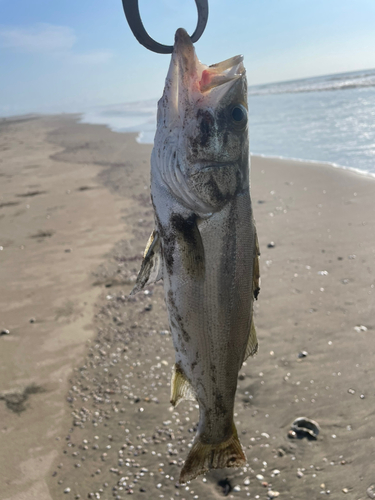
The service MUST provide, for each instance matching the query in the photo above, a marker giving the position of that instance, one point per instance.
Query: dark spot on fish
(194, 363)
(167, 244)
(206, 124)
(176, 317)
(222, 121)
(213, 373)
(167, 252)
(190, 242)
(214, 190)
(184, 226)
(220, 405)
(185, 334)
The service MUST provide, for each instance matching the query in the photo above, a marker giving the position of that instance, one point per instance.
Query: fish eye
(238, 114)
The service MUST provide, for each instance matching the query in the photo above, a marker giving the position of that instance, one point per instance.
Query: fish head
(201, 144)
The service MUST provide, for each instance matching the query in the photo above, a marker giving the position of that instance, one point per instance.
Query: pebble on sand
(273, 494)
(360, 328)
(303, 354)
(4, 332)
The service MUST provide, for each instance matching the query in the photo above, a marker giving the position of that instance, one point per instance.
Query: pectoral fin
(180, 387)
(151, 267)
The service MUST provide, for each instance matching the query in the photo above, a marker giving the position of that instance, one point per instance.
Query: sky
(74, 54)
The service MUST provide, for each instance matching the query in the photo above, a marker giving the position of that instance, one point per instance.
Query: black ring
(133, 17)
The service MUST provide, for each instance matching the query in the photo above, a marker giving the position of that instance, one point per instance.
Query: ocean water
(329, 118)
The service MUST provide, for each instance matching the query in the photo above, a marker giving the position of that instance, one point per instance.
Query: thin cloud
(49, 39)
(41, 38)
(95, 57)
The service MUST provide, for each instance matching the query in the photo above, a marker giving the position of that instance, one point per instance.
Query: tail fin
(203, 457)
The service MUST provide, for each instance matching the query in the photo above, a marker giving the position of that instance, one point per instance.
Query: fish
(204, 245)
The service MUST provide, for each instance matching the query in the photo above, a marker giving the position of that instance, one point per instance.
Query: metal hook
(134, 20)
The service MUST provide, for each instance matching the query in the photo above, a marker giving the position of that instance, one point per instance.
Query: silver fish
(204, 245)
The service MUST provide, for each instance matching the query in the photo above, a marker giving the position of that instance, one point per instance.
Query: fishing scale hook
(133, 17)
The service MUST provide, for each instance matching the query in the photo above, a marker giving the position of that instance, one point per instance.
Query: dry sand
(85, 369)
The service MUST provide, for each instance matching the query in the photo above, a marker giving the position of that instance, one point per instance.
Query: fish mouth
(191, 84)
(218, 74)
(198, 76)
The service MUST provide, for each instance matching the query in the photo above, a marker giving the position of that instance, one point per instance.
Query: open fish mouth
(198, 76)
(221, 73)
(191, 84)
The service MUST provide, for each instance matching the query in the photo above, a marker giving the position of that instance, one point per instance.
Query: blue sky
(70, 55)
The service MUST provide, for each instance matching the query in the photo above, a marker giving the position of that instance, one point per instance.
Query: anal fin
(151, 267)
(180, 387)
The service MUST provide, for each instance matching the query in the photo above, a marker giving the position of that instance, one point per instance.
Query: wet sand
(85, 369)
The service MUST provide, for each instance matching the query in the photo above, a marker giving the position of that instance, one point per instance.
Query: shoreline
(114, 429)
(138, 134)
(370, 175)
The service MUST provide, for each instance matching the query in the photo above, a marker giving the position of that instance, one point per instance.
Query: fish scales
(204, 245)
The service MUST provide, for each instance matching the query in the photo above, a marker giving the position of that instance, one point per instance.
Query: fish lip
(182, 39)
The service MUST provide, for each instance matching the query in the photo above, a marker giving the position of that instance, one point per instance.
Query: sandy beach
(85, 369)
